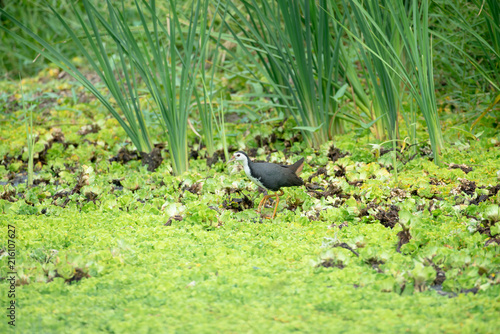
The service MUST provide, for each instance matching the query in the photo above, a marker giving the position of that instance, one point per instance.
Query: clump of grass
(165, 57)
(297, 46)
(397, 51)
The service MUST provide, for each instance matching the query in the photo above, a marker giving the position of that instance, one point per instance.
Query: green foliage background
(216, 270)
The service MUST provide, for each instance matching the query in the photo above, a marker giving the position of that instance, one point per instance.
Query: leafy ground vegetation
(136, 223)
(105, 245)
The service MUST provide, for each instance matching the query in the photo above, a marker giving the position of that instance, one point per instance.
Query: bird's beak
(231, 160)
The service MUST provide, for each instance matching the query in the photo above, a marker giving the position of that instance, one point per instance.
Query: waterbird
(270, 176)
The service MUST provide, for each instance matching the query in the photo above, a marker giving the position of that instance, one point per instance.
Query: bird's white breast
(249, 174)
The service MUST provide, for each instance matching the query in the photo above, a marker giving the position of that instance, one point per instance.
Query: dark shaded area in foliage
(195, 188)
(81, 181)
(234, 203)
(440, 274)
(492, 240)
(195, 152)
(335, 154)
(171, 219)
(289, 142)
(40, 181)
(294, 203)
(339, 171)
(439, 290)
(319, 171)
(404, 237)
(463, 167)
(252, 152)
(339, 226)
(466, 186)
(375, 263)
(435, 182)
(469, 188)
(492, 191)
(213, 159)
(117, 183)
(153, 159)
(364, 211)
(90, 128)
(329, 263)
(77, 275)
(331, 191)
(400, 155)
(9, 194)
(414, 192)
(388, 217)
(356, 183)
(42, 256)
(57, 137)
(485, 228)
(398, 193)
(124, 155)
(265, 141)
(345, 246)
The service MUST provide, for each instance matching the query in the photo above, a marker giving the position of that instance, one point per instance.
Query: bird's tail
(297, 167)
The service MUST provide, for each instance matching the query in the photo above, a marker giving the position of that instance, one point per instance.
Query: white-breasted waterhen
(271, 176)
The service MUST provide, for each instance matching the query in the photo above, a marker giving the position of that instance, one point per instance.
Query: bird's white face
(238, 156)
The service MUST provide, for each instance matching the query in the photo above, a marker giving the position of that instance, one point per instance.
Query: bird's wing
(276, 176)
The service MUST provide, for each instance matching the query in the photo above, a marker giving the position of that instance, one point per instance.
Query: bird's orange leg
(263, 202)
(277, 202)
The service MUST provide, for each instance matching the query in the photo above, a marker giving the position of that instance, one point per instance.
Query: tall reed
(295, 45)
(397, 44)
(162, 53)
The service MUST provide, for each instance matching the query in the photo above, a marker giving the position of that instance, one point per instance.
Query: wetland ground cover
(120, 214)
(102, 244)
